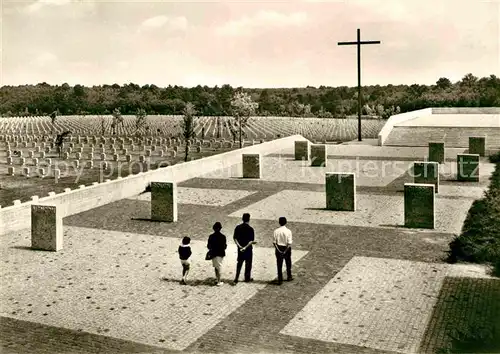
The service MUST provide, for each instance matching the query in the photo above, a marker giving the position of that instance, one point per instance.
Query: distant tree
(380, 110)
(117, 119)
(60, 140)
(242, 108)
(53, 117)
(140, 120)
(368, 110)
(102, 122)
(188, 125)
(322, 113)
(468, 80)
(443, 83)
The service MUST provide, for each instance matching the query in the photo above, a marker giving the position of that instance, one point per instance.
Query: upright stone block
(318, 155)
(340, 189)
(46, 228)
(9, 160)
(302, 150)
(436, 152)
(164, 201)
(419, 205)
(10, 171)
(426, 173)
(252, 167)
(468, 167)
(477, 145)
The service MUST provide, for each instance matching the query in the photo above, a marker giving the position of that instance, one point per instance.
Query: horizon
(254, 45)
(235, 87)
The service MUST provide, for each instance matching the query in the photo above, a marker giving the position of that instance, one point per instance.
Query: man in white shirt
(283, 245)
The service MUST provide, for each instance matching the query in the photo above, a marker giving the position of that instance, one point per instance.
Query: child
(184, 254)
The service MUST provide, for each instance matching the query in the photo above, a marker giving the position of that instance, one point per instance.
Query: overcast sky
(252, 44)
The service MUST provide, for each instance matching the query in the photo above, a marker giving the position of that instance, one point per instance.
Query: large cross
(358, 43)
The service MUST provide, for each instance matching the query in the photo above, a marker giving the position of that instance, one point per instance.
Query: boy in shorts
(184, 254)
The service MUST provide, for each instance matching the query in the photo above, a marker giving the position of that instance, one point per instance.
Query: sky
(251, 44)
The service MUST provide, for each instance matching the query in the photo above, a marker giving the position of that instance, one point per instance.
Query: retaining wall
(466, 110)
(398, 118)
(18, 217)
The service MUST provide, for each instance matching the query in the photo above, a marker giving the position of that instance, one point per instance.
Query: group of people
(244, 238)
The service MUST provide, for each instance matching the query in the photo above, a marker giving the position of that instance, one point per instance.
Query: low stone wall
(398, 118)
(18, 217)
(466, 110)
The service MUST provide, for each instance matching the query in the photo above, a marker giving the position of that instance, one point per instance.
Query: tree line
(324, 101)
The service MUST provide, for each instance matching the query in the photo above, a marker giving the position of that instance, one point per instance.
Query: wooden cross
(358, 43)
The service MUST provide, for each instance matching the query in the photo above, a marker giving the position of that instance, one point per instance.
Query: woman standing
(217, 250)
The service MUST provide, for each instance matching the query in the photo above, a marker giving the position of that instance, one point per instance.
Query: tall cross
(358, 43)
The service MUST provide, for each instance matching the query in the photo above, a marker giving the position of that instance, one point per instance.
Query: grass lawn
(466, 318)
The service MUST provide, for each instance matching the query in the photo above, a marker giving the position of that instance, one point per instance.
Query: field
(266, 128)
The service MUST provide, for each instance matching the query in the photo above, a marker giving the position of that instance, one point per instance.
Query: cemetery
(92, 255)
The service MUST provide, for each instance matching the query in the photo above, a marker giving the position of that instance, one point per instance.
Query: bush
(495, 158)
(480, 238)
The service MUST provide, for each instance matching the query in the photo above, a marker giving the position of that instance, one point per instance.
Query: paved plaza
(362, 282)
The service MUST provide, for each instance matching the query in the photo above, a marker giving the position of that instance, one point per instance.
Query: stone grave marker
(318, 155)
(252, 167)
(302, 150)
(46, 228)
(340, 190)
(419, 206)
(468, 167)
(436, 152)
(477, 145)
(164, 201)
(426, 173)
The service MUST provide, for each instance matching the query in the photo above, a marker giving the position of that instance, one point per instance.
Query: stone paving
(201, 196)
(128, 262)
(132, 293)
(378, 303)
(371, 210)
(369, 172)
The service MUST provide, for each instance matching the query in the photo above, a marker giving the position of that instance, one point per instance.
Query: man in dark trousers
(244, 237)
(283, 245)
